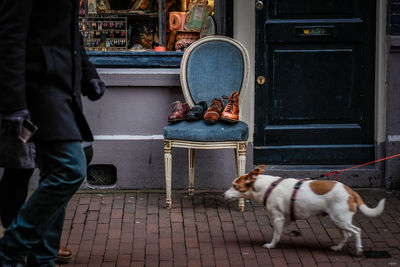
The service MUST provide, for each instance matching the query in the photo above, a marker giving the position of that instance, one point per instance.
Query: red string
(354, 167)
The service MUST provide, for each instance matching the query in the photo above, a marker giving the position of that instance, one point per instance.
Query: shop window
(149, 33)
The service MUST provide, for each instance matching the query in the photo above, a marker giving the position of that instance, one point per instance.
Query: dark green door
(317, 103)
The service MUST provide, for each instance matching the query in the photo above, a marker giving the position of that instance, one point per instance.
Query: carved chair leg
(236, 162)
(241, 166)
(191, 171)
(168, 171)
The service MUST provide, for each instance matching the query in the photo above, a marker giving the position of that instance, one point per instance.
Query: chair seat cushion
(203, 132)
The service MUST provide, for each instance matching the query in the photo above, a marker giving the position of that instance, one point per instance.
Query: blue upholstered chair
(211, 67)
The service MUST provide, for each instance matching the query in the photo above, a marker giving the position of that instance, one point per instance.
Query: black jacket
(43, 66)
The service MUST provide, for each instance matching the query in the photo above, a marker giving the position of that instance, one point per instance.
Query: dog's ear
(251, 176)
(257, 171)
(246, 181)
(261, 168)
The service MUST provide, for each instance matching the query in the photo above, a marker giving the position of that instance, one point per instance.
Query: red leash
(354, 167)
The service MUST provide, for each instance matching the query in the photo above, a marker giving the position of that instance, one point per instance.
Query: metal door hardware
(260, 80)
(259, 5)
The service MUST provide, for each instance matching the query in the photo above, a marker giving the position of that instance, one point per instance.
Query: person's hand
(11, 123)
(96, 89)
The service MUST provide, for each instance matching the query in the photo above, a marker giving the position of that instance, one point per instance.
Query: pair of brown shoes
(217, 111)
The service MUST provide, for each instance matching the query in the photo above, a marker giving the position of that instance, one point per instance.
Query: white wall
(244, 18)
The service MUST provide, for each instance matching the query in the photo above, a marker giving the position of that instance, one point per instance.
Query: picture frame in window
(197, 14)
(103, 5)
(92, 6)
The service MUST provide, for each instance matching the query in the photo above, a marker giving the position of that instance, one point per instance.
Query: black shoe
(196, 112)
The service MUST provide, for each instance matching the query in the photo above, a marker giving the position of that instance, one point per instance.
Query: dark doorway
(316, 103)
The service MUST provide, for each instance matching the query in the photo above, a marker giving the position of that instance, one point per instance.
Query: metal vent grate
(102, 174)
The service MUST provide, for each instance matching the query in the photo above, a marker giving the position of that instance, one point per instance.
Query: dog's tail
(356, 200)
(373, 212)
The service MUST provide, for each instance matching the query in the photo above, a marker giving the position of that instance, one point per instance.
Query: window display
(136, 25)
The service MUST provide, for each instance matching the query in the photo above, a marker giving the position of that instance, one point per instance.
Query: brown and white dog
(315, 197)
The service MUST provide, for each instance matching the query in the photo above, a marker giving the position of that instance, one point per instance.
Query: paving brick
(94, 261)
(204, 237)
(193, 253)
(111, 255)
(220, 254)
(191, 242)
(166, 254)
(206, 248)
(179, 247)
(176, 217)
(137, 264)
(152, 261)
(222, 263)
(102, 228)
(291, 256)
(232, 247)
(263, 259)
(190, 231)
(279, 262)
(207, 260)
(235, 259)
(138, 254)
(180, 260)
(125, 248)
(166, 263)
(98, 250)
(82, 257)
(123, 261)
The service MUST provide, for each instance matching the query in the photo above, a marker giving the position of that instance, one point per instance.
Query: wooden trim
(204, 145)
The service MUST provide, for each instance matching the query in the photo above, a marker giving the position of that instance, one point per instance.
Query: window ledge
(126, 77)
(130, 59)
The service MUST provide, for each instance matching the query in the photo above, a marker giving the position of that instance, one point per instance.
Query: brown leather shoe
(231, 110)
(179, 112)
(214, 111)
(64, 255)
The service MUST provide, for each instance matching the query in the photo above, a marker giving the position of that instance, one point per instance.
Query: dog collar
(270, 188)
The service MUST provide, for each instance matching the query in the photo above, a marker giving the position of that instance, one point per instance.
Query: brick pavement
(135, 229)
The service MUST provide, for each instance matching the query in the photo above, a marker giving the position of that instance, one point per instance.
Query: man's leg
(13, 192)
(63, 168)
(42, 253)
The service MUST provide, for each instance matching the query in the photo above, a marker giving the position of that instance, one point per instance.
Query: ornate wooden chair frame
(239, 146)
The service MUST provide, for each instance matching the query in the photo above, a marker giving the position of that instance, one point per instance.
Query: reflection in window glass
(135, 25)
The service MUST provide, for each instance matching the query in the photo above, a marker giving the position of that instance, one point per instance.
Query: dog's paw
(336, 248)
(268, 245)
(359, 251)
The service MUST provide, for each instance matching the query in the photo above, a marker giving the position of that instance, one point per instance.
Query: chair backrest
(212, 67)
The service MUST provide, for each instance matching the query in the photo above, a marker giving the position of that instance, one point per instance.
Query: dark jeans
(37, 228)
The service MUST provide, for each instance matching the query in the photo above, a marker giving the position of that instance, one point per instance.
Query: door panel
(308, 9)
(312, 7)
(317, 104)
(299, 91)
